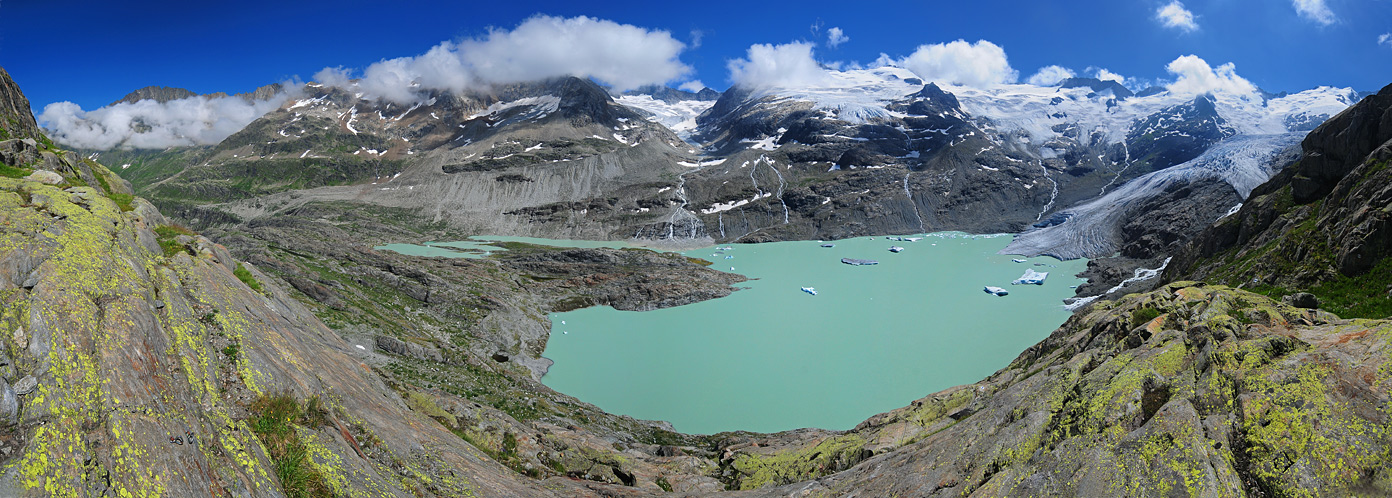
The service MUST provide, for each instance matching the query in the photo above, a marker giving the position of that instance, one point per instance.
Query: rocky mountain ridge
(163, 94)
(878, 128)
(1319, 224)
(874, 151)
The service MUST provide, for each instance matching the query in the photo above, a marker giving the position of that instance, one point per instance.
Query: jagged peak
(16, 118)
(1098, 85)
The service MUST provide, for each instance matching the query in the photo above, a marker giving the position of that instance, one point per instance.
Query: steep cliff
(1322, 224)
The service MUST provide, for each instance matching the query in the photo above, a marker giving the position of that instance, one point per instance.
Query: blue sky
(92, 53)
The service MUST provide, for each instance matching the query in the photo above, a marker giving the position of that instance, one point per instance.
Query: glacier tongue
(1243, 161)
(680, 117)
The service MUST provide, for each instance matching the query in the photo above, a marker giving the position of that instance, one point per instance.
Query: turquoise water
(479, 246)
(771, 357)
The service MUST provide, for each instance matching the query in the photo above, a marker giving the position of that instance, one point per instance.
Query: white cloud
(696, 37)
(1105, 75)
(1195, 76)
(979, 64)
(1315, 10)
(1174, 15)
(836, 37)
(621, 55)
(692, 86)
(1130, 82)
(334, 76)
(1050, 76)
(148, 124)
(883, 60)
(1385, 39)
(772, 66)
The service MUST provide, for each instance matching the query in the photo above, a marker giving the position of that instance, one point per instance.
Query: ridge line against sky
(103, 51)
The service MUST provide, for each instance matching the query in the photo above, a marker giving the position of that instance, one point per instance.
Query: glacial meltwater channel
(773, 357)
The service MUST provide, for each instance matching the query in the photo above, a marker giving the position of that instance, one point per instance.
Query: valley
(285, 302)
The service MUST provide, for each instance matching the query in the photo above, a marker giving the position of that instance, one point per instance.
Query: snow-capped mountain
(978, 159)
(859, 151)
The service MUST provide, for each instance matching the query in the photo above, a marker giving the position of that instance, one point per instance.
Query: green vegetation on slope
(275, 421)
(245, 276)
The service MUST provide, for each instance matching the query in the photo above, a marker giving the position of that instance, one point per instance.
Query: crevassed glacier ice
(1093, 229)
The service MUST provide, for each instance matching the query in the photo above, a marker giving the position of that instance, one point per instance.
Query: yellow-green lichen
(833, 454)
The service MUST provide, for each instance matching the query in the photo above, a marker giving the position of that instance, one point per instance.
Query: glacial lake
(771, 357)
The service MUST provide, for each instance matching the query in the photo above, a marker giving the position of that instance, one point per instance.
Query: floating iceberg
(895, 248)
(810, 290)
(859, 262)
(1031, 277)
(996, 291)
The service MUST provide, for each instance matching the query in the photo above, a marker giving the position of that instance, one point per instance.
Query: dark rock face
(317, 291)
(1315, 220)
(1302, 300)
(1343, 143)
(1177, 134)
(16, 118)
(1118, 91)
(1162, 225)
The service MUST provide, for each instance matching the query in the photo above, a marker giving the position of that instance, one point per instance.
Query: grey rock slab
(26, 385)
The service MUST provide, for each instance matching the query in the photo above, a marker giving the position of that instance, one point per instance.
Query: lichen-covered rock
(142, 371)
(1189, 390)
(26, 385)
(9, 404)
(45, 176)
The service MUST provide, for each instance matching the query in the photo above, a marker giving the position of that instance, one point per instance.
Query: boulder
(409, 349)
(9, 404)
(45, 176)
(26, 385)
(1302, 300)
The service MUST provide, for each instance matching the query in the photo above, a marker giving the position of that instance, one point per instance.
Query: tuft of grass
(166, 235)
(274, 419)
(124, 201)
(1143, 316)
(232, 351)
(661, 482)
(8, 171)
(244, 275)
(1363, 296)
(101, 180)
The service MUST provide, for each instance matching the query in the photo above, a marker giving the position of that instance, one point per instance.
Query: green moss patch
(167, 236)
(245, 276)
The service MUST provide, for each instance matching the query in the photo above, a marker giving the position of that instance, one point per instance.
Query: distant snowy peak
(855, 96)
(671, 95)
(865, 95)
(1109, 88)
